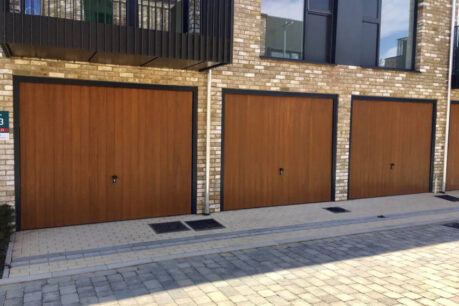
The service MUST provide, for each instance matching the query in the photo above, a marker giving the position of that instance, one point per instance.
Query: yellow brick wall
(250, 72)
(429, 82)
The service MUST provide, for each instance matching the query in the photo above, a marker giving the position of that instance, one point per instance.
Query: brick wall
(429, 82)
(250, 72)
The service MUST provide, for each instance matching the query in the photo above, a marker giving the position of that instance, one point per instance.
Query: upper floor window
(297, 29)
(369, 33)
(396, 42)
(282, 28)
(33, 7)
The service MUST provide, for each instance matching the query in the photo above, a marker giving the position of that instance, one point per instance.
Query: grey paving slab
(417, 265)
(128, 234)
(56, 253)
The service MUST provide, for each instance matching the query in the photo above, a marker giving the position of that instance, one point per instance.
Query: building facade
(351, 103)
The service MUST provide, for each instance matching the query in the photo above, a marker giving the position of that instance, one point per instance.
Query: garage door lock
(392, 166)
(281, 171)
(114, 179)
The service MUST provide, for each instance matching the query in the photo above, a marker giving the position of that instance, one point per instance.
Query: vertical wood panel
(386, 133)
(266, 133)
(452, 182)
(309, 140)
(373, 130)
(74, 138)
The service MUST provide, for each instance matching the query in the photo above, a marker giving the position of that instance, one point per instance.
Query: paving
(77, 249)
(409, 266)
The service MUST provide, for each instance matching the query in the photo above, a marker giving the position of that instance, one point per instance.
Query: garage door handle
(281, 171)
(114, 179)
(392, 166)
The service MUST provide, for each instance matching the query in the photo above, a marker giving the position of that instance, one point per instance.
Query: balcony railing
(188, 34)
(455, 80)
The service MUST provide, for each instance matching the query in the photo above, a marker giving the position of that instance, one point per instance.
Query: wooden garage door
(74, 139)
(390, 148)
(452, 182)
(277, 150)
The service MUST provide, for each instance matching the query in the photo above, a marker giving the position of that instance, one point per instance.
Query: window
(396, 41)
(297, 29)
(33, 7)
(282, 28)
(368, 33)
(318, 30)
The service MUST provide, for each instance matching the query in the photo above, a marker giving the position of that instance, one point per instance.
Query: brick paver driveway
(418, 265)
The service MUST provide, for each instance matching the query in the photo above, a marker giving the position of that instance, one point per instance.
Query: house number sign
(4, 125)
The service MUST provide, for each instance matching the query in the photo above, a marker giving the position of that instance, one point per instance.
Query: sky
(394, 24)
(292, 9)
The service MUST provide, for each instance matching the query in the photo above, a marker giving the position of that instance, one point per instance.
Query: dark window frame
(332, 37)
(331, 14)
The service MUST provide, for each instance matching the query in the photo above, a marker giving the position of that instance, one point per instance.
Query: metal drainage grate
(169, 227)
(382, 217)
(453, 225)
(204, 225)
(448, 198)
(337, 210)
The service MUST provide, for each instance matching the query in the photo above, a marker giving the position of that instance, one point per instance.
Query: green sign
(4, 122)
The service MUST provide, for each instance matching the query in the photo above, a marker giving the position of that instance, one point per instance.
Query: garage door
(452, 182)
(278, 150)
(390, 148)
(93, 154)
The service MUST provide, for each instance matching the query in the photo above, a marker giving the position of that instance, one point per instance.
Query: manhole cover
(337, 210)
(204, 225)
(169, 227)
(448, 198)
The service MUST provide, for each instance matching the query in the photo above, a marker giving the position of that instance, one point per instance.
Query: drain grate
(204, 225)
(337, 210)
(448, 198)
(169, 227)
(453, 225)
(382, 217)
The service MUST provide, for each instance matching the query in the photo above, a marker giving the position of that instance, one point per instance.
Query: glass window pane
(33, 7)
(397, 34)
(317, 38)
(98, 11)
(282, 28)
(321, 5)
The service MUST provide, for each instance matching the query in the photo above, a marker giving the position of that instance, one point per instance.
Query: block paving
(71, 250)
(411, 266)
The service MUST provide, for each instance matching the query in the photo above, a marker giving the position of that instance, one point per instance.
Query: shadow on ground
(137, 281)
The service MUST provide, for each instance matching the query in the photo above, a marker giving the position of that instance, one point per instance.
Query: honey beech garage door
(452, 182)
(278, 150)
(94, 154)
(391, 147)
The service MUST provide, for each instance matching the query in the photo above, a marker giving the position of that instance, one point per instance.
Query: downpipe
(208, 135)
(448, 107)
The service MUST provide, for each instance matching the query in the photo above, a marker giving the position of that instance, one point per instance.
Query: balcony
(455, 79)
(180, 34)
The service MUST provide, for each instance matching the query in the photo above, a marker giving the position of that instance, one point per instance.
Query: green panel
(100, 11)
(4, 121)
